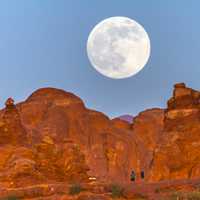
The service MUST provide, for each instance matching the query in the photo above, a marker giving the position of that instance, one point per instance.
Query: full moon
(118, 47)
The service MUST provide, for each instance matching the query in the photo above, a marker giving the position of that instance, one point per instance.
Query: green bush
(75, 189)
(117, 191)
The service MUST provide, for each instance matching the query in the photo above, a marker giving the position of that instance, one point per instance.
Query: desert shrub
(116, 191)
(197, 187)
(193, 196)
(75, 189)
(185, 195)
(174, 196)
(11, 198)
(165, 190)
(140, 197)
(157, 190)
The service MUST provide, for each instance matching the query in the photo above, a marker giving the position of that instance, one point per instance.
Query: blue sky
(43, 43)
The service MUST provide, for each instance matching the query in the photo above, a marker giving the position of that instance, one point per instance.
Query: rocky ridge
(52, 137)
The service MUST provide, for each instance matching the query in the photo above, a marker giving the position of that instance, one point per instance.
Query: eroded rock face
(11, 128)
(53, 137)
(183, 97)
(65, 141)
(147, 132)
(177, 155)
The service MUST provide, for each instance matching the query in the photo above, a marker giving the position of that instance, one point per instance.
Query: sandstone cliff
(53, 137)
(177, 153)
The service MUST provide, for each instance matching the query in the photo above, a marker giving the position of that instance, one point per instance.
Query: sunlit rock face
(183, 97)
(147, 130)
(11, 128)
(65, 141)
(177, 155)
(53, 137)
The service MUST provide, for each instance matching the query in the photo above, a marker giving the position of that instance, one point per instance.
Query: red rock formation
(119, 123)
(52, 137)
(147, 133)
(67, 141)
(11, 128)
(9, 103)
(177, 154)
(183, 97)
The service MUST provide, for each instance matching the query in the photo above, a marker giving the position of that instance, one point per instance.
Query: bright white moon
(118, 47)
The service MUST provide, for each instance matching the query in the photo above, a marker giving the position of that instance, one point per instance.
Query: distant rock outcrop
(127, 118)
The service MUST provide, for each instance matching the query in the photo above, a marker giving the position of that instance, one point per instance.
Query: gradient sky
(43, 43)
